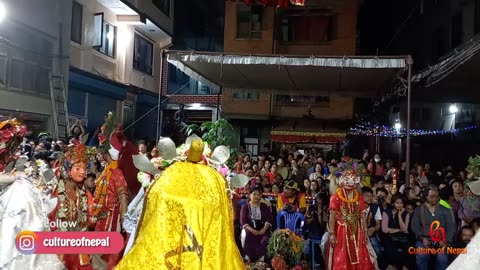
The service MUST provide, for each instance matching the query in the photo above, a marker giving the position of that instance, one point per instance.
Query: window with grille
(143, 55)
(249, 21)
(246, 94)
(287, 100)
(105, 36)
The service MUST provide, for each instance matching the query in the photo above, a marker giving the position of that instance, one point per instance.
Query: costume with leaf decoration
(471, 259)
(351, 249)
(111, 186)
(24, 202)
(187, 220)
(112, 137)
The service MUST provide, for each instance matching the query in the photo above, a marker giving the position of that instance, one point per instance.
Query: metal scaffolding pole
(409, 97)
(159, 106)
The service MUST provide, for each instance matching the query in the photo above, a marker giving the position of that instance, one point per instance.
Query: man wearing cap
(291, 200)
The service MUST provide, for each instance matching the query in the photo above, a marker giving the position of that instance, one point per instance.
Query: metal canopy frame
(357, 76)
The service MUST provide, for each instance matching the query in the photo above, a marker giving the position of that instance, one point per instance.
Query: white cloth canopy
(348, 75)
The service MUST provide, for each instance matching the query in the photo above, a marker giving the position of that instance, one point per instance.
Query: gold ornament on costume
(77, 153)
(196, 150)
(341, 192)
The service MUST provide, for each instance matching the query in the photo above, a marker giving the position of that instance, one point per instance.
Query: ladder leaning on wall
(59, 106)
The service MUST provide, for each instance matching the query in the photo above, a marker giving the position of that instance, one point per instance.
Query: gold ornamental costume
(188, 221)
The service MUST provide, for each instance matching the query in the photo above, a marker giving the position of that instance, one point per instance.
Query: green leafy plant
(106, 131)
(474, 166)
(286, 244)
(215, 134)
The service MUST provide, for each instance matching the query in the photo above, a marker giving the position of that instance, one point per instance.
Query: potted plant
(285, 248)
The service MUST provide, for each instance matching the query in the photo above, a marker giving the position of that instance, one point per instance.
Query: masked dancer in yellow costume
(187, 222)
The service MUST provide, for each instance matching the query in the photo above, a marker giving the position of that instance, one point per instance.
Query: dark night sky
(378, 22)
(201, 21)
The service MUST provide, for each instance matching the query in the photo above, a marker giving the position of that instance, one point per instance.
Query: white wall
(120, 69)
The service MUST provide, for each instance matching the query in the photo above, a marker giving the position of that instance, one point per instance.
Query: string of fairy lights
(367, 129)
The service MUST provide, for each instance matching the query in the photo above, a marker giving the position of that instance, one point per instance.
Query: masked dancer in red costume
(348, 245)
(73, 202)
(111, 194)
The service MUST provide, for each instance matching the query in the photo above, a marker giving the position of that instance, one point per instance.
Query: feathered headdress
(348, 172)
(350, 168)
(11, 136)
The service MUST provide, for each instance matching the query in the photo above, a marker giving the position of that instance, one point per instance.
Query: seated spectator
(314, 228)
(465, 236)
(272, 173)
(374, 219)
(318, 173)
(266, 168)
(381, 198)
(282, 169)
(314, 188)
(457, 186)
(446, 197)
(255, 219)
(410, 207)
(279, 181)
(376, 169)
(410, 195)
(306, 186)
(291, 199)
(276, 188)
(475, 225)
(423, 216)
(395, 221)
(413, 184)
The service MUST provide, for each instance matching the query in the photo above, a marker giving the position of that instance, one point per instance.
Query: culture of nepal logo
(438, 237)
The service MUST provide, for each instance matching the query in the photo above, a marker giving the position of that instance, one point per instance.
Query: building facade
(323, 29)
(198, 27)
(108, 53)
(31, 47)
(115, 62)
